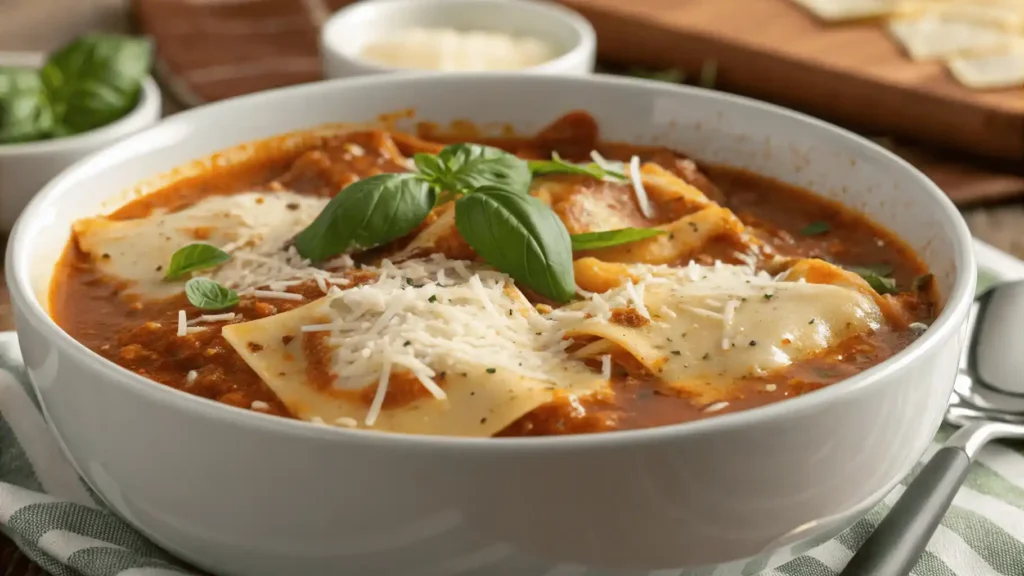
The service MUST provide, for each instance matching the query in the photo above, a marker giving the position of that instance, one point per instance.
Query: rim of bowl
(586, 37)
(148, 96)
(957, 305)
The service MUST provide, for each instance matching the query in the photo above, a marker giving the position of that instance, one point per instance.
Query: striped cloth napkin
(55, 519)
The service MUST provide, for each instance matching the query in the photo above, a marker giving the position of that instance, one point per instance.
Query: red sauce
(141, 336)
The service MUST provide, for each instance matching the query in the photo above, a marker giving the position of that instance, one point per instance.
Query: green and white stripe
(54, 518)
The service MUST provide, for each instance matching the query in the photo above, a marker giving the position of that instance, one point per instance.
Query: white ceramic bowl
(344, 35)
(25, 168)
(242, 493)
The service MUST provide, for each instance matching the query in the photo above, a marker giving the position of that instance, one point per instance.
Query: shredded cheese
(716, 407)
(410, 321)
(182, 323)
(275, 294)
(727, 318)
(606, 366)
(382, 390)
(227, 317)
(638, 188)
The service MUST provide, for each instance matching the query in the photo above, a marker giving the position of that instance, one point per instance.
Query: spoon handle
(895, 546)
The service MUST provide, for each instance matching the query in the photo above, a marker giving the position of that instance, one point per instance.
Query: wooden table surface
(43, 25)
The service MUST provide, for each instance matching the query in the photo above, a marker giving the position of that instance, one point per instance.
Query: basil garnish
(89, 83)
(880, 284)
(471, 166)
(194, 257)
(595, 240)
(511, 230)
(25, 112)
(206, 294)
(815, 228)
(923, 282)
(519, 235)
(367, 214)
(876, 276)
(96, 79)
(559, 166)
(876, 269)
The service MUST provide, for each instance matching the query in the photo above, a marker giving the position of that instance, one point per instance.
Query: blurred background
(777, 50)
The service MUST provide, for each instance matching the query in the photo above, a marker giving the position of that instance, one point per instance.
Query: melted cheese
(471, 339)
(254, 227)
(485, 356)
(712, 325)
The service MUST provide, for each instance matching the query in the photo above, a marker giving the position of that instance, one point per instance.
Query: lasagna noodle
(138, 251)
(684, 238)
(479, 402)
(711, 332)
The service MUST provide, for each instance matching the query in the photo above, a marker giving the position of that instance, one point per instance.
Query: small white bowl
(25, 168)
(344, 35)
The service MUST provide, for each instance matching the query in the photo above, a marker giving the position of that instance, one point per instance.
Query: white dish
(242, 493)
(344, 35)
(25, 168)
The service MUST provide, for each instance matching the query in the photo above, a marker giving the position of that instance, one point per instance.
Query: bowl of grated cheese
(456, 36)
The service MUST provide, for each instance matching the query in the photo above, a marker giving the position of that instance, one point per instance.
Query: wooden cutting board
(214, 49)
(770, 49)
(852, 74)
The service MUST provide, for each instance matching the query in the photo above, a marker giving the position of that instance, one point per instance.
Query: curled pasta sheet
(707, 330)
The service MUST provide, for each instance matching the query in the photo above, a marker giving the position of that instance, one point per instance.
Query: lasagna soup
(448, 283)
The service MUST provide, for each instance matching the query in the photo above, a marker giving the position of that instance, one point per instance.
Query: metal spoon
(987, 403)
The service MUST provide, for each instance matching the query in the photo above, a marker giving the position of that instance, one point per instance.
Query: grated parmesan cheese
(382, 390)
(606, 366)
(448, 49)
(638, 188)
(727, 318)
(275, 294)
(407, 320)
(227, 317)
(716, 407)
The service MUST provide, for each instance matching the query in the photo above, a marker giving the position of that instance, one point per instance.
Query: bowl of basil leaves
(57, 108)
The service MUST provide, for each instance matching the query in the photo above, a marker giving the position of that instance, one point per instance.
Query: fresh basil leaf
(19, 80)
(877, 276)
(881, 284)
(519, 235)
(366, 214)
(96, 79)
(923, 282)
(559, 166)
(815, 228)
(595, 240)
(194, 257)
(25, 112)
(471, 166)
(430, 166)
(206, 294)
(883, 269)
